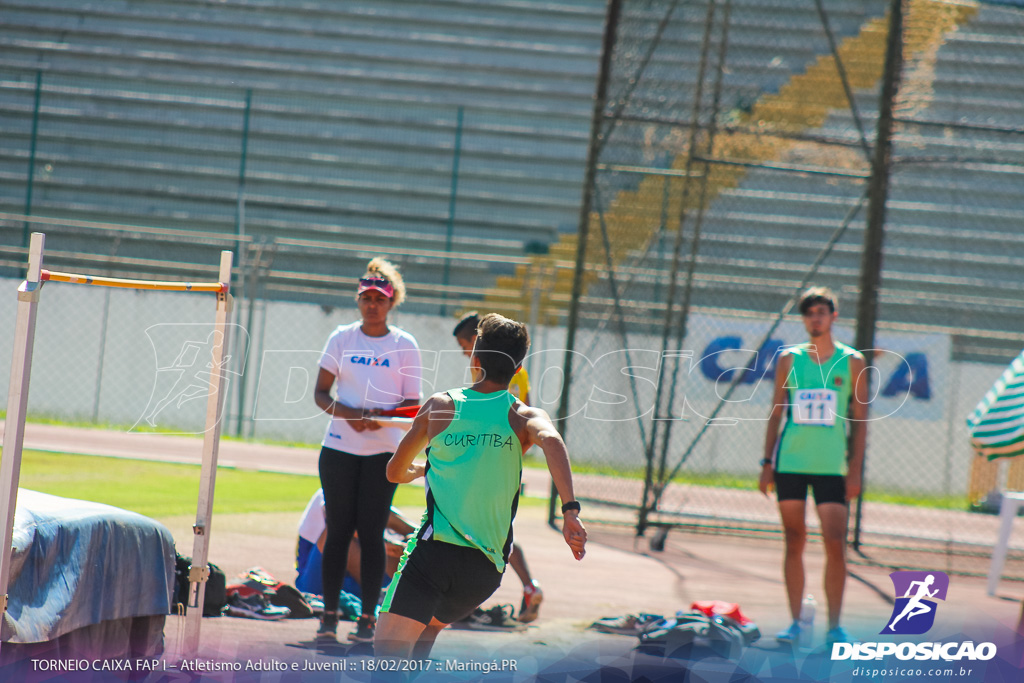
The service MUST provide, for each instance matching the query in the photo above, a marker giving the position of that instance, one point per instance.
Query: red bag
(713, 608)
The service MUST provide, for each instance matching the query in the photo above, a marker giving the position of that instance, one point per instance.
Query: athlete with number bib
(821, 390)
(475, 438)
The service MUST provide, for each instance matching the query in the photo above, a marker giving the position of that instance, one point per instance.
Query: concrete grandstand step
(520, 71)
(421, 21)
(250, 71)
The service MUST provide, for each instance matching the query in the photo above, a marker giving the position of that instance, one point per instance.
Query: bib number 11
(815, 407)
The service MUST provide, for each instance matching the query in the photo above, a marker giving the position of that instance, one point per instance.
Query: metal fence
(130, 360)
(281, 174)
(742, 149)
(866, 146)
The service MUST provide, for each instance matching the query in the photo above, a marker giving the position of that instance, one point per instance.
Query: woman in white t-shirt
(371, 366)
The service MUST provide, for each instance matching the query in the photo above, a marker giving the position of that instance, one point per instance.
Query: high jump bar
(99, 281)
(17, 404)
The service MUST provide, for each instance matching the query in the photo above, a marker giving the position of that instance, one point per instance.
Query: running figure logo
(181, 381)
(916, 592)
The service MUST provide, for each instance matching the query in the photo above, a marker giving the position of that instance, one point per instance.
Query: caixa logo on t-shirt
(370, 360)
(916, 593)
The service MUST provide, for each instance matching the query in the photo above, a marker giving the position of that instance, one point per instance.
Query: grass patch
(157, 489)
(731, 481)
(41, 419)
(144, 428)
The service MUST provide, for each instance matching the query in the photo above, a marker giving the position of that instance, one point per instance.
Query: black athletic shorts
(827, 488)
(441, 580)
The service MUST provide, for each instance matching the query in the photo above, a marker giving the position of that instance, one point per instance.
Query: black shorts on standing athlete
(827, 488)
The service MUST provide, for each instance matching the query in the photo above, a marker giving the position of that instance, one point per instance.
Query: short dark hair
(815, 296)
(466, 327)
(501, 346)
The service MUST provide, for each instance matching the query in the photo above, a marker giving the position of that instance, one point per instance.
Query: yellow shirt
(519, 386)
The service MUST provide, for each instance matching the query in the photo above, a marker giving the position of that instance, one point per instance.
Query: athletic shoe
(255, 606)
(328, 631)
(497, 618)
(315, 602)
(260, 575)
(838, 635)
(790, 635)
(364, 630)
(530, 607)
(628, 625)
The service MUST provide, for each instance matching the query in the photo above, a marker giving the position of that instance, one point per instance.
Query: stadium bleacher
(352, 136)
(953, 247)
(352, 125)
(353, 114)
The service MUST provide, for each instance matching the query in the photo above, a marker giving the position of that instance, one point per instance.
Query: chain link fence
(732, 166)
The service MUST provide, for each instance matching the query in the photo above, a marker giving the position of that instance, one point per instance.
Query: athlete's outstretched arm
(401, 468)
(544, 434)
(771, 437)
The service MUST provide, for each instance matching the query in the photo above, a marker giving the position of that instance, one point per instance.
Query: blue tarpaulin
(76, 563)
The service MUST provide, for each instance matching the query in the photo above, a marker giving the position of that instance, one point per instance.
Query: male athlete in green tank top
(476, 439)
(479, 445)
(533, 596)
(817, 411)
(821, 390)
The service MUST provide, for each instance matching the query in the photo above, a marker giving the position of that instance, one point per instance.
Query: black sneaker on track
(497, 618)
(364, 630)
(328, 631)
(255, 606)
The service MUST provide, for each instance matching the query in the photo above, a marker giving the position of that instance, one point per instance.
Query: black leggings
(357, 497)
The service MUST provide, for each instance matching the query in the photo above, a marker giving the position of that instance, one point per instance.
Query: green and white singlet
(474, 469)
(813, 440)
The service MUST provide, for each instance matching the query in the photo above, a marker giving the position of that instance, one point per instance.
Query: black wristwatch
(571, 505)
(765, 461)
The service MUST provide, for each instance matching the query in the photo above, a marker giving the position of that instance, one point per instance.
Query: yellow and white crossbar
(99, 281)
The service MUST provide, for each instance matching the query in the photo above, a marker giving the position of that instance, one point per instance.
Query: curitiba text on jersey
(493, 440)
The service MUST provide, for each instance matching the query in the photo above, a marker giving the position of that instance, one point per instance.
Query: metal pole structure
(240, 207)
(453, 195)
(17, 404)
(673, 282)
(257, 349)
(240, 234)
(198, 573)
(698, 224)
(32, 158)
(535, 278)
(878, 191)
(242, 359)
(104, 320)
(611, 23)
(811, 272)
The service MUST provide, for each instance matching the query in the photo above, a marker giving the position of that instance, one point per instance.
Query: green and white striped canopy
(996, 427)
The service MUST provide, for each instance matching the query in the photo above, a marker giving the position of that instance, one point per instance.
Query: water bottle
(807, 610)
